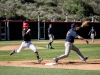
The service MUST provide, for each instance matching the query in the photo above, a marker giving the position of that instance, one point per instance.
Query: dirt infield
(68, 64)
(65, 64)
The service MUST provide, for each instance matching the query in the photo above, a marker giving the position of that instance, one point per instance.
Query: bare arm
(79, 37)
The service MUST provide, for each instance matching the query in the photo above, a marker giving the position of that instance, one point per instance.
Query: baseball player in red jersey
(27, 42)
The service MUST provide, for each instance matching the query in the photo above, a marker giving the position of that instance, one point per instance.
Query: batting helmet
(25, 25)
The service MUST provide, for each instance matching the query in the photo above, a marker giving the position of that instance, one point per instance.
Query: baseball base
(51, 64)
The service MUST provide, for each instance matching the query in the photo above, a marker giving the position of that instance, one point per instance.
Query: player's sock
(50, 44)
(38, 58)
(37, 55)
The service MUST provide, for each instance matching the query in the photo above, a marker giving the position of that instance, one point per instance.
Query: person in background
(92, 33)
(51, 37)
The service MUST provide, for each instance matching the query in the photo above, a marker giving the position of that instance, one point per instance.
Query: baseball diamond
(92, 64)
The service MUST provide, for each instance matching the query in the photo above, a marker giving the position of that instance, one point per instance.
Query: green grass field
(91, 50)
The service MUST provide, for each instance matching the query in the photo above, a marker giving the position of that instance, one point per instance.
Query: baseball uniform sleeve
(74, 34)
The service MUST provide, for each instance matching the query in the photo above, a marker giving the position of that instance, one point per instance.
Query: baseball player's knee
(66, 54)
(35, 50)
(51, 40)
(75, 49)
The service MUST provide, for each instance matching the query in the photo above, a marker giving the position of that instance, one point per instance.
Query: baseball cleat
(85, 59)
(56, 60)
(12, 52)
(40, 59)
(47, 46)
(51, 48)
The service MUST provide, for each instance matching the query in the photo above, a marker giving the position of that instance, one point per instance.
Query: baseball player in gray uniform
(70, 36)
(92, 33)
(27, 42)
(51, 37)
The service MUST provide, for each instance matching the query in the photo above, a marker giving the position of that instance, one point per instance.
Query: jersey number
(67, 33)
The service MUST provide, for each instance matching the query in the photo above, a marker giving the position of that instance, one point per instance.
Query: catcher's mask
(73, 25)
(25, 25)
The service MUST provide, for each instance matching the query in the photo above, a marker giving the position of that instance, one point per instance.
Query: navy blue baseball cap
(73, 25)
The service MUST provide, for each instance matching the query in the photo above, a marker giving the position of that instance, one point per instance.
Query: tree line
(48, 9)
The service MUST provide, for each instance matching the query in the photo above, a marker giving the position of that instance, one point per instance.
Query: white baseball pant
(26, 44)
(92, 37)
(51, 37)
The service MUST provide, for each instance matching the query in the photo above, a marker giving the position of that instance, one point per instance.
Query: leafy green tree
(78, 7)
(27, 9)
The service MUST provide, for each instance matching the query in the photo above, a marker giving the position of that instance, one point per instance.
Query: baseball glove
(85, 24)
